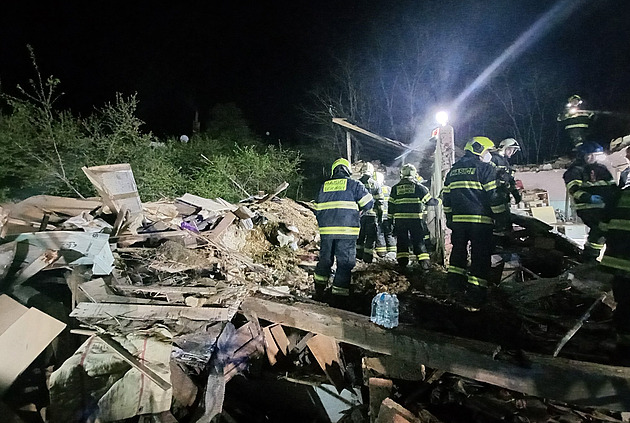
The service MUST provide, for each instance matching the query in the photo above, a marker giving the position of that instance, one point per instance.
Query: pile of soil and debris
(197, 309)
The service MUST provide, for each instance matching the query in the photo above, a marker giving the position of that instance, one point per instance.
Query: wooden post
(349, 146)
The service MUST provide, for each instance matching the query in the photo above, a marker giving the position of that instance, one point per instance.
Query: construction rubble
(198, 310)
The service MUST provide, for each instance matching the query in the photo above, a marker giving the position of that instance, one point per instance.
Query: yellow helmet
(478, 145)
(340, 162)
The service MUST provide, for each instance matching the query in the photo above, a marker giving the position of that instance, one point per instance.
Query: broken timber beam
(571, 381)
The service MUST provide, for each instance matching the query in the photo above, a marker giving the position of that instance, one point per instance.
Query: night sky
(265, 56)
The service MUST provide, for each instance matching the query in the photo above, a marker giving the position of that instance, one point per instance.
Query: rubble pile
(198, 310)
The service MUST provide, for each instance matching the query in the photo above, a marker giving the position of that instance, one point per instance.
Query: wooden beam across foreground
(571, 381)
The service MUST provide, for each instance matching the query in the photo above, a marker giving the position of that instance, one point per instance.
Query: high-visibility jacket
(616, 225)
(375, 189)
(584, 180)
(408, 200)
(470, 192)
(577, 120)
(387, 190)
(338, 204)
(505, 177)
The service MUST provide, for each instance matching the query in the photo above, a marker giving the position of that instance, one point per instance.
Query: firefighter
(616, 260)
(407, 203)
(473, 208)
(591, 185)
(368, 234)
(576, 121)
(339, 203)
(385, 243)
(505, 173)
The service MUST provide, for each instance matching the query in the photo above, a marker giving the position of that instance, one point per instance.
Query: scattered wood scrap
(582, 383)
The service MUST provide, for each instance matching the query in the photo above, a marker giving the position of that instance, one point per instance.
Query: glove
(597, 199)
(517, 196)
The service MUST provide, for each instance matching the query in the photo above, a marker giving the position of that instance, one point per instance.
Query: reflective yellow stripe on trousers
(338, 230)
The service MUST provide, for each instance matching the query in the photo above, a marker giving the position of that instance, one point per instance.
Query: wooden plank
(270, 346)
(326, 351)
(571, 381)
(39, 264)
(278, 190)
(92, 311)
(392, 412)
(379, 390)
(133, 361)
(96, 291)
(225, 223)
(394, 368)
(281, 338)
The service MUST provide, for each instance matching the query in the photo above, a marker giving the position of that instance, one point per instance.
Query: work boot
(425, 265)
(320, 292)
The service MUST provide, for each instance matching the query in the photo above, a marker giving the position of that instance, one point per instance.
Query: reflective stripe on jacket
(585, 180)
(337, 207)
(408, 200)
(375, 189)
(470, 192)
(617, 227)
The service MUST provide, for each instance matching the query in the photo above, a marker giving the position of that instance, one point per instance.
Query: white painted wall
(549, 180)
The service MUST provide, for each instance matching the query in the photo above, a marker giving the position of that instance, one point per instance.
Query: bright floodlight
(442, 118)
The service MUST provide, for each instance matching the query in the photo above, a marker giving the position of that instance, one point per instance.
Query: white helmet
(367, 169)
(408, 171)
(184, 138)
(509, 142)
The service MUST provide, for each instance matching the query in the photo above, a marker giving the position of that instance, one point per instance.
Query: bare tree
(529, 112)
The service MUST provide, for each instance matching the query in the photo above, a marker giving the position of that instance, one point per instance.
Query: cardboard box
(24, 334)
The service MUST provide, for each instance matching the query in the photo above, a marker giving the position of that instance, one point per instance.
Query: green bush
(45, 149)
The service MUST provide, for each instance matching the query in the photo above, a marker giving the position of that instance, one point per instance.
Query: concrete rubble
(199, 310)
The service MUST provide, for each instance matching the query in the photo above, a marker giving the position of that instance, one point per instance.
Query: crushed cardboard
(193, 265)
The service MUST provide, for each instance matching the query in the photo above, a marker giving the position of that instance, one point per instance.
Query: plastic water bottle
(376, 314)
(394, 303)
(374, 310)
(386, 311)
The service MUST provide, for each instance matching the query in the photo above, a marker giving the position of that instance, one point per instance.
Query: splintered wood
(94, 312)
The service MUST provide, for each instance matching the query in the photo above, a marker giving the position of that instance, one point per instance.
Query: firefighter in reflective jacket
(370, 219)
(591, 185)
(339, 202)
(616, 260)
(473, 207)
(385, 243)
(576, 121)
(505, 172)
(407, 202)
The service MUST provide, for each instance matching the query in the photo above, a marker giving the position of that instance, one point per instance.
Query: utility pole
(443, 160)
(349, 146)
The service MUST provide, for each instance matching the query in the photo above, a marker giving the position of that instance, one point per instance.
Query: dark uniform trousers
(368, 235)
(481, 246)
(385, 241)
(596, 236)
(344, 250)
(616, 261)
(410, 233)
